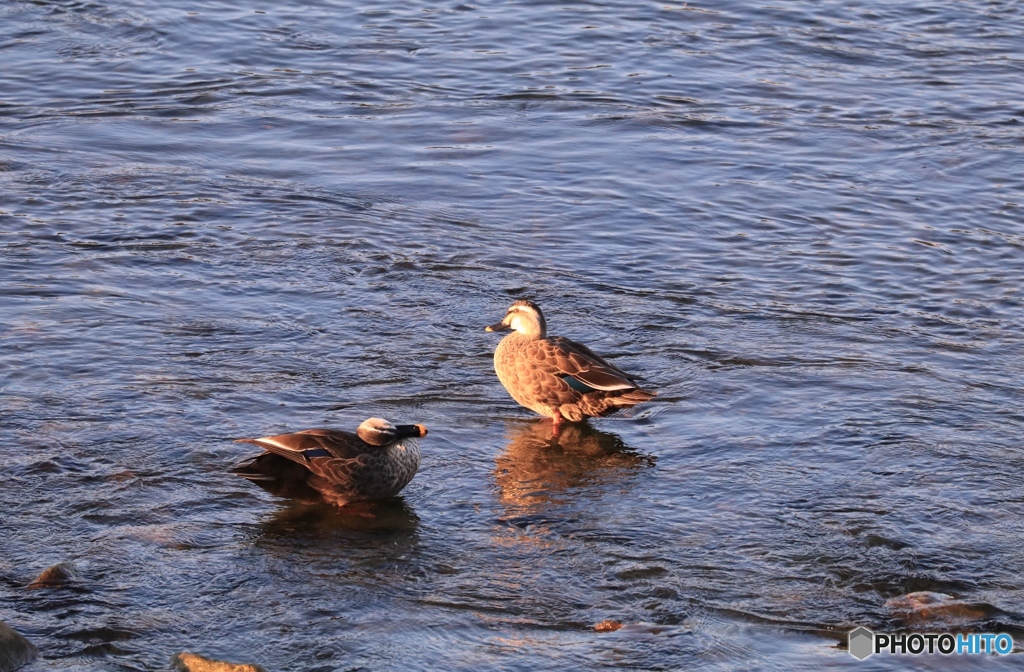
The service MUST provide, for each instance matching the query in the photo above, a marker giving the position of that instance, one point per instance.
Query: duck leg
(556, 425)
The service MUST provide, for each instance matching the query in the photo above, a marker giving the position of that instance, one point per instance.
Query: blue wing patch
(578, 385)
(315, 452)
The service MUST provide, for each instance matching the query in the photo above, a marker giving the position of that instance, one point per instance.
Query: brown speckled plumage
(339, 467)
(557, 377)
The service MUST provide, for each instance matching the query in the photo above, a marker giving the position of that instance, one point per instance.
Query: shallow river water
(799, 222)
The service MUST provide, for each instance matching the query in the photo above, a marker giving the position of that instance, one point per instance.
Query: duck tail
(634, 397)
(597, 405)
(258, 468)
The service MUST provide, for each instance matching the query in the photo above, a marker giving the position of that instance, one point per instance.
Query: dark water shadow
(312, 520)
(538, 469)
(350, 557)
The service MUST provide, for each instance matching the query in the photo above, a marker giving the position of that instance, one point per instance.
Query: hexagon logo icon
(861, 643)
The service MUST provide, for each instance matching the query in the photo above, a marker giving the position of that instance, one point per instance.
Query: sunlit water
(800, 223)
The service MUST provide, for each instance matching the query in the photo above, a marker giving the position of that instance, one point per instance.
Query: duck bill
(500, 326)
(413, 431)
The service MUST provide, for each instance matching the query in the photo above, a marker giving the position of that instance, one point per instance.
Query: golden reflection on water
(538, 469)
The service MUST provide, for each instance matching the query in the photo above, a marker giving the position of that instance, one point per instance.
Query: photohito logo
(863, 643)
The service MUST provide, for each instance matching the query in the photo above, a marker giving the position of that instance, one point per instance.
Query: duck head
(524, 317)
(380, 432)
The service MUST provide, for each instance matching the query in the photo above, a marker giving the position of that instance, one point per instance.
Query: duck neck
(534, 334)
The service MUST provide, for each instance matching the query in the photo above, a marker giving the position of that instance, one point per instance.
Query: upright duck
(557, 377)
(375, 462)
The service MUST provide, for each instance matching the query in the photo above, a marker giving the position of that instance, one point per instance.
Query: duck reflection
(354, 550)
(314, 519)
(539, 467)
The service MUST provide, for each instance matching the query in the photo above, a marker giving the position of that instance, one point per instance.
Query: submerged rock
(59, 575)
(928, 606)
(191, 662)
(608, 626)
(15, 650)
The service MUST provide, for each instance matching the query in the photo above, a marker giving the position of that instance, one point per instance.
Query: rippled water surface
(800, 223)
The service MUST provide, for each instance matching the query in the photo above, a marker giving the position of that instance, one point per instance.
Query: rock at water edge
(15, 650)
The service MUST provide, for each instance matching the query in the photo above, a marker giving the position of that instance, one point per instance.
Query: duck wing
(305, 446)
(580, 363)
(279, 476)
(335, 456)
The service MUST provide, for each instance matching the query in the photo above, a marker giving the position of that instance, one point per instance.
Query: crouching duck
(375, 462)
(556, 377)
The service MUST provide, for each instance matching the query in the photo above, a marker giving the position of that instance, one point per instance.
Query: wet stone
(15, 650)
(59, 575)
(191, 662)
(608, 626)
